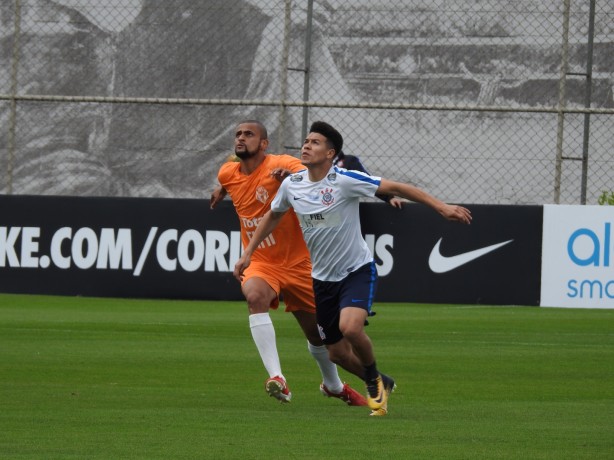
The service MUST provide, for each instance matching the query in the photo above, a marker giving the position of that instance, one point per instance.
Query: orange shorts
(293, 284)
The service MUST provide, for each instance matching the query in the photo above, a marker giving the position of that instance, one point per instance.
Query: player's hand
(396, 202)
(216, 196)
(456, 213)
(240, 266)
(280, 173)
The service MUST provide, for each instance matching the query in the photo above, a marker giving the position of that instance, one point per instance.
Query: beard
(245, 154)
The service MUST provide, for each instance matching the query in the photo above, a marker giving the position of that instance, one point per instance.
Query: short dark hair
(263, 132)
(331, 134)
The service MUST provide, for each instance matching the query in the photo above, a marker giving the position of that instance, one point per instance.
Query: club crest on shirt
(261, 194)
(327, 196)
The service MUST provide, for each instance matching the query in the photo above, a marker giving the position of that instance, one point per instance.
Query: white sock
(330, 376)
(263, 333)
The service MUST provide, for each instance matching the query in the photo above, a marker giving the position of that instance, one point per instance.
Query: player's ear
(264, 144)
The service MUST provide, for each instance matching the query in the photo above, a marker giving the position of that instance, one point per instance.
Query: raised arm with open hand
(449, 211)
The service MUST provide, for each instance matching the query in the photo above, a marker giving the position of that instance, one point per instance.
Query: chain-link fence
(493, 101)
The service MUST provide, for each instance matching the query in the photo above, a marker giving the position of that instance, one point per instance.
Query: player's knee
(352, 331)
(257, 302)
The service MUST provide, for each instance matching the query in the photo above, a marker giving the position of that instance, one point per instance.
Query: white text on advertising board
(114, 248)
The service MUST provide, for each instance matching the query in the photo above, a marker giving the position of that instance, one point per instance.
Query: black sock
(371, 372)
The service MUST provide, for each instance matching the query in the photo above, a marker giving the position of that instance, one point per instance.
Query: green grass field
(158, 379)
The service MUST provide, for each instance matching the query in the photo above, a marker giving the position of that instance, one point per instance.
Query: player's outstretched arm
(410, 192)
(265, 227)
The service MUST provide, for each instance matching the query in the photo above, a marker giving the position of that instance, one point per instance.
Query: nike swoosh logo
(380, 390)
(442, 264)
(297, 197)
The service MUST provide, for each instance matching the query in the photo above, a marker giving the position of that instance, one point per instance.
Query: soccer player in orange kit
(280, 266)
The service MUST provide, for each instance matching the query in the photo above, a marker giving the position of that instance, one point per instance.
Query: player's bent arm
(217, 195)
(410, 192)
(265, 227)
(280, 173)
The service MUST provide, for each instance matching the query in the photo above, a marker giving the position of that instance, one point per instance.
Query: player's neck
(317, 172)
(249, 165)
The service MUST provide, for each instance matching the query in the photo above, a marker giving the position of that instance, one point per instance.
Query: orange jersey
(252, 195)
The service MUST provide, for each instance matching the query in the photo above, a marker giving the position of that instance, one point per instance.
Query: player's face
(315, 150)
(248, 142)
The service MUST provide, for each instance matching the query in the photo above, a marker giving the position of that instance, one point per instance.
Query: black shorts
(355, 290)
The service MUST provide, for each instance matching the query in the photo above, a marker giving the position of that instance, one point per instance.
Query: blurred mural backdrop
(477, 101)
